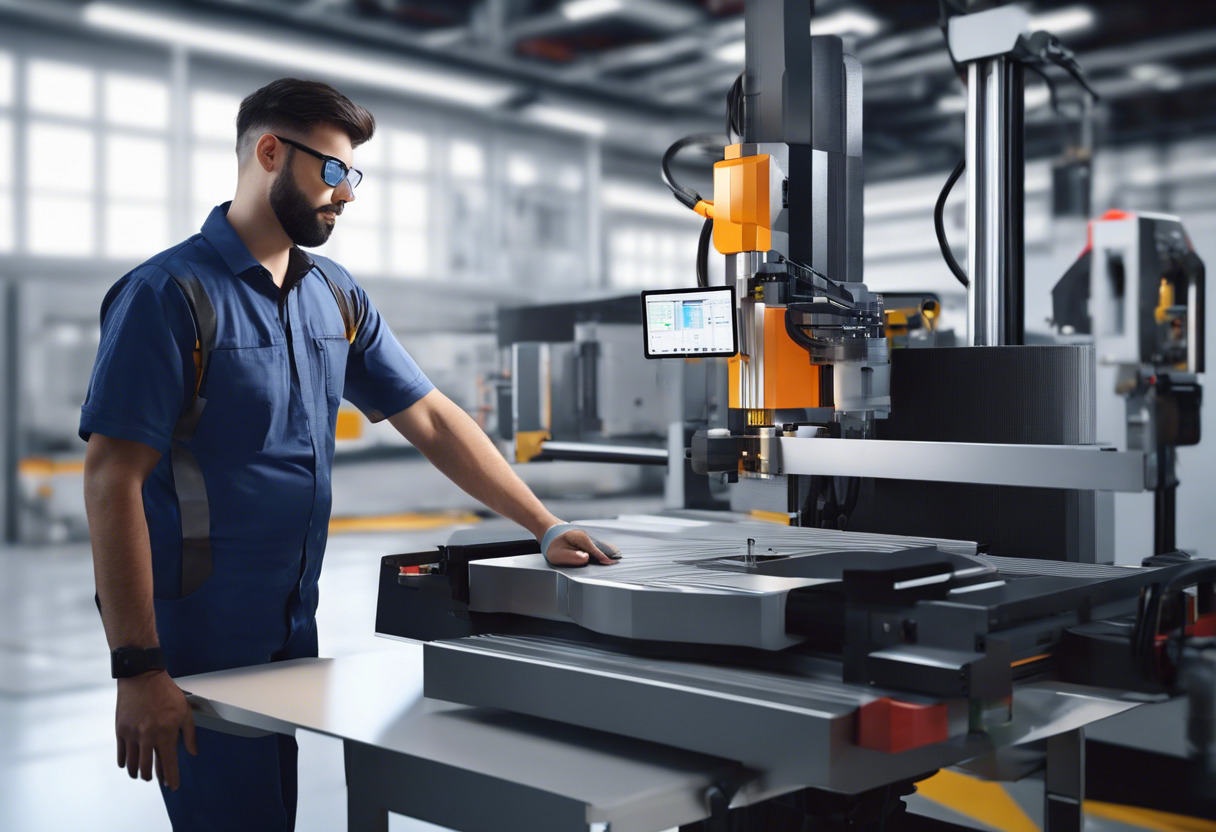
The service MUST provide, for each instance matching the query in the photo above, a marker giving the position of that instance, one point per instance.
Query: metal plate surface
(661, 589)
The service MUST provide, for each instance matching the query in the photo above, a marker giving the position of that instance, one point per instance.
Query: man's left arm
(458, 447)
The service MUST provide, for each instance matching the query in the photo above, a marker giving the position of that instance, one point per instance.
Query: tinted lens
(332, 172)
(354, 177)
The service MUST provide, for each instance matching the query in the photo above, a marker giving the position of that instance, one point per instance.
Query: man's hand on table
(574, 547)
(151, 712)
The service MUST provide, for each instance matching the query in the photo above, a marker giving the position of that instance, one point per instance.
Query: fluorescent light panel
(590, 9)
(731, 52)
(843, 22)
(846, 22)
(1061, 21)
(375, 72)
(565, 118)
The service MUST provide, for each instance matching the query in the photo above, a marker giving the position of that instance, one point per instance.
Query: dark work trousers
(238, 783)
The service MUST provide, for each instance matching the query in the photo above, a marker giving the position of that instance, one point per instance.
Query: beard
(303, 224)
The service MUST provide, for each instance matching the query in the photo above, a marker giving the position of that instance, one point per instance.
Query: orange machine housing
(741, 208)
(790, 379)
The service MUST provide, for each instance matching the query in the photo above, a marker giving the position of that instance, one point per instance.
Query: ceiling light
(952, 104)
(263, 49)
(1067, 19)
(1036, 97)
(1161, 76)
(588, 9)
(732, 52)
(565, 118)
(1149, 72)
(846, 22)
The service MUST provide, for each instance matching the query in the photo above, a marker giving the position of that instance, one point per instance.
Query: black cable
(939, 223)
(707, 230)
(796, 334)
(687, 196)
(734, 109)
(1148, 622)
(1051, 88)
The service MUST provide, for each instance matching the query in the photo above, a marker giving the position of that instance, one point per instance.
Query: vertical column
(995, 204)
(9, 341)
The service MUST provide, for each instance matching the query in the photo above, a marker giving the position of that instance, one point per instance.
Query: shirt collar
(220, 233)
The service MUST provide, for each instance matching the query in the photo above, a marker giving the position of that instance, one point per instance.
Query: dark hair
(292, 104)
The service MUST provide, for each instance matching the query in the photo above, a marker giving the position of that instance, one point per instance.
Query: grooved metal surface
(661, 588)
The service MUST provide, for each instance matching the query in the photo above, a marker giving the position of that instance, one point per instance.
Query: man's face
(305, 206)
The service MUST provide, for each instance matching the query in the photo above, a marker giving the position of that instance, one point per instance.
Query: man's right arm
(151, 710)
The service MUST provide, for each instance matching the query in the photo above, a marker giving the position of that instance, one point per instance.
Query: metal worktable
(474, 769)
(460, 767)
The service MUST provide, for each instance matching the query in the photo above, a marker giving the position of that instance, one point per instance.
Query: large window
(469, 223)
(545, 222)
(96, 160)
(7, 152)
(115, 157)
(136, 165)
(651, 255)
(212, 151)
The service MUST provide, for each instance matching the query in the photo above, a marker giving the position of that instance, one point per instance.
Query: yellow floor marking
(979, 800)
(1148, 818)
(400, 522)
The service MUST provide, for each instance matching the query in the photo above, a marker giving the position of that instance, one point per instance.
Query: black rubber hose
(707, 232)
(939, 224)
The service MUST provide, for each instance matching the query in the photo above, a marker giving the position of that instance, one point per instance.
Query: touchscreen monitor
(685, 323)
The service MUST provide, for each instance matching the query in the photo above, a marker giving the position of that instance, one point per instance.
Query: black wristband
(126, 662)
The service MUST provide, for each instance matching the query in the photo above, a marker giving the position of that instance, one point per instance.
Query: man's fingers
(563, 555)
(132, 758)
(166, 764)
(122, 752)
(145, 759)
(586, 544)
(188, 735)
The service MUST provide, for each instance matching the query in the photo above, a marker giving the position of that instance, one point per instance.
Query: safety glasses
(333, 170)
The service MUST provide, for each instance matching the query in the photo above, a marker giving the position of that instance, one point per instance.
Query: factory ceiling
(641, 72)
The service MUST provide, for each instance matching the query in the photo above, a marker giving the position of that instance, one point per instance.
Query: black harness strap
(187, 475)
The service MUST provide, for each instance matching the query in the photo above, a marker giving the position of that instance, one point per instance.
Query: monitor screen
(681, 323)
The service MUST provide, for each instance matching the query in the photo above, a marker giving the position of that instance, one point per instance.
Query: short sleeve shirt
(271, 387)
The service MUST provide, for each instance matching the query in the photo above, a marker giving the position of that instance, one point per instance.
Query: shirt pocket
(244, 389)
(333, 351)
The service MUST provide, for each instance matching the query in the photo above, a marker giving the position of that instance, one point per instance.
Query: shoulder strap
(203, 314)
(193, 502)
(351, 309)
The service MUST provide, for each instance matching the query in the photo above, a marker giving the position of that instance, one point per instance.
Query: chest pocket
(247, 392)
(333, 351)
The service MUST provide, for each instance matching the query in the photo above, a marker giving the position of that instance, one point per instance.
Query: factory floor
(57, 769)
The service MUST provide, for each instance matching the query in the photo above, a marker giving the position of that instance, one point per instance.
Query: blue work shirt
(264, 442)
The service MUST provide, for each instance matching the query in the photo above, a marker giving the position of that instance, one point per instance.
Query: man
(210, 427)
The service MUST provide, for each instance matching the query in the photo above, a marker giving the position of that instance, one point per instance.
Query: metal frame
(1082, 467)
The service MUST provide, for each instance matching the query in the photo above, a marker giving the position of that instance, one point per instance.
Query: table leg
(1065, 782)
(363, 812)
